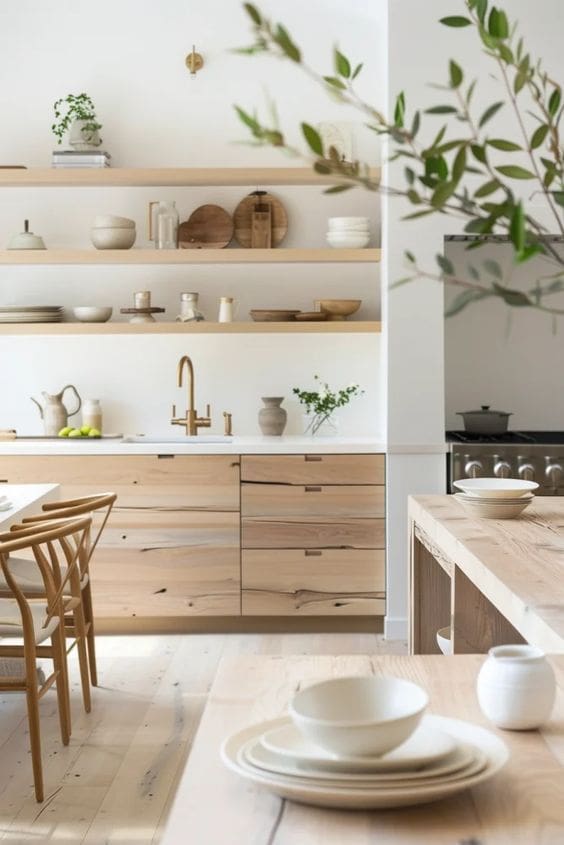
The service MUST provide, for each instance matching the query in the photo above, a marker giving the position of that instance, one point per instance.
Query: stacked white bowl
(111, 232)
(495, 498)
(348, 232)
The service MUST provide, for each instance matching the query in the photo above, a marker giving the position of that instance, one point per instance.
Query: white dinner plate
(6, 506)
(427, 744)
(504, 488)
(328, 795)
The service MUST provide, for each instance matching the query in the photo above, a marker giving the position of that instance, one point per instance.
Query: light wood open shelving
(58, 329)
(110, 177)
(189, 256)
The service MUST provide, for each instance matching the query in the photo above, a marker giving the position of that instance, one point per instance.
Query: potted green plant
(76, 113)
(320, 406)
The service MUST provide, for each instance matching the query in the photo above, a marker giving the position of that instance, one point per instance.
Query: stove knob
(526, 469)
(472, 468)
(501, 468)
(553, 472)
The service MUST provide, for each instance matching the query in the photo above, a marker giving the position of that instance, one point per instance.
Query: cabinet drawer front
(312, 533)
(199, 482)
(313, 469)
(324, 583)
(312, 500)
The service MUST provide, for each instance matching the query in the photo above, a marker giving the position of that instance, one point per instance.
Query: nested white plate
(426, 745)
(504, 488)
(354, 798)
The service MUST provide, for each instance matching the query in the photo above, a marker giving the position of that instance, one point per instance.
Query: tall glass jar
(166, 226)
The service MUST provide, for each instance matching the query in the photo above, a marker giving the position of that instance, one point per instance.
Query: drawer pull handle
(313, 553)
(312, 458)
(164, 457)
(310, 489)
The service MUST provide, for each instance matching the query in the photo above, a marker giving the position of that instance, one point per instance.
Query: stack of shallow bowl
(364, 742)
(111, 232)
(495, 498)
(348, 232)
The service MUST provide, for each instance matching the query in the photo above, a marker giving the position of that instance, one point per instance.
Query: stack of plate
(32, 314)
(495, 498)
(5, 504)
(442, 757)
(348, 232)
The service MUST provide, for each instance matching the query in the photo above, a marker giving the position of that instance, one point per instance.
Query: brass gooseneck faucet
(191, 421)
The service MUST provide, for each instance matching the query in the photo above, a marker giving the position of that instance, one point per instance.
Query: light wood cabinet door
(312, 533)
(286, 582)
(313, 469)
(312, 500)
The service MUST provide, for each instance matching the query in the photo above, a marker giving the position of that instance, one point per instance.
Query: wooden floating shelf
(333, 327)
(189, 256)
(111, 177)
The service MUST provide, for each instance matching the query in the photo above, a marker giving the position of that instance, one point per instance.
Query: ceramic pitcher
(54, 412)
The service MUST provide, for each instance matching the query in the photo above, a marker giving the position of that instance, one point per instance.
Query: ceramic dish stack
(436, 758)
(495, 498)
(348, 232)
(32, 314)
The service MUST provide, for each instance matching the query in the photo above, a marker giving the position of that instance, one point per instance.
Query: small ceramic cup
(516, 687)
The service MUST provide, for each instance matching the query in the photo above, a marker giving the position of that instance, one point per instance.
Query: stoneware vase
(82, 139)
(516, 687)
(272, 418)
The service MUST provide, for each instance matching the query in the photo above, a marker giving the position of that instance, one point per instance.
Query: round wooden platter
(243, 218)
(208, 227)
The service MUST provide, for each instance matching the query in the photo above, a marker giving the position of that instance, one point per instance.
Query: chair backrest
(48, 542)
(72, 508)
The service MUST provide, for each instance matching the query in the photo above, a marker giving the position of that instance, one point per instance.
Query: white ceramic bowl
(113, 238)
(496, 488)
(348, 240)
(345, 223)
(359, 716)
(92, 313)
(444, 640)
(110, 221)
(489, 510)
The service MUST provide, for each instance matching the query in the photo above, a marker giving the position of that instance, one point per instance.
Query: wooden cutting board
(250, 217)
(208, 227)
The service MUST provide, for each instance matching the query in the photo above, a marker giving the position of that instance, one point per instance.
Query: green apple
(85, 429)
(64, 432)
(75, 432)
(94, 433)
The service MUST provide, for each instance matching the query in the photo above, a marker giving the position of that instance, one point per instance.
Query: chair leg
(91, 642)
(62, 684)
(35, 735)
(80, 636)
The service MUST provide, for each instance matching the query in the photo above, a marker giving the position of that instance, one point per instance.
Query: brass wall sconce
(194, 61)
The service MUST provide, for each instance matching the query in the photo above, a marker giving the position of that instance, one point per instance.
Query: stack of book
(88, 158)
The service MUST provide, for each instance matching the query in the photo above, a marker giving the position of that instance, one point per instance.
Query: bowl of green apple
(84, 432)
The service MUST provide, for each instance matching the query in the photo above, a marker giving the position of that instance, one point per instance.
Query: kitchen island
(227, 534)
(492, 581)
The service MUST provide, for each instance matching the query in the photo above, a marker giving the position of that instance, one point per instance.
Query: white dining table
(25, 500)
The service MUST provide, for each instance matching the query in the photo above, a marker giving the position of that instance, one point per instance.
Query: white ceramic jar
(92, 413)
(516, 687)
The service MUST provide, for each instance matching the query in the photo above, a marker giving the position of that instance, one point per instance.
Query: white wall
(129, 56)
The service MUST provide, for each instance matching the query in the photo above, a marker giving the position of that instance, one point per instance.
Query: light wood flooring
(115, 781)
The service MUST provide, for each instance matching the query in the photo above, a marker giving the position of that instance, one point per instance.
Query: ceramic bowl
(444, 640)
(110, 221)
(359, 716)
(496, 488)
(92, 313)
(113, 238)
(338, 309)
(489, 510)
(340, 224)
(348, 240)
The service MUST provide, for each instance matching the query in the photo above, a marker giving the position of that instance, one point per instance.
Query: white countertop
(236, 446)
(26, 499)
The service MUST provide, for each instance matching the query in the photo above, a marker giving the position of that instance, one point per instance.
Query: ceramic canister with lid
(516, 687)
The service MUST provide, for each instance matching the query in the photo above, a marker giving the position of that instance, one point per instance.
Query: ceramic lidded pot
(26, 240)
(272, 418)
(516, 687)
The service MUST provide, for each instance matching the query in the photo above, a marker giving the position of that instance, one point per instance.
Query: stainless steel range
(532, 455)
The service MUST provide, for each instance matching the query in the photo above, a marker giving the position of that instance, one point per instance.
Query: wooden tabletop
(26, 500)
(518, 564)
(522, 805)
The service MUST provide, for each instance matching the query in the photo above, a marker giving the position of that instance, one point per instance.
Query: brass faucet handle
(227, 424)
(208, 411)
(173, 411)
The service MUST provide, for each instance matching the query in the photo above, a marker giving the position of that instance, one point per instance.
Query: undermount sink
(186, 439)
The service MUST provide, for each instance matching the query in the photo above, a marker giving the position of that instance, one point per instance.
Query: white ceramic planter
(81, 139)
(516, 687)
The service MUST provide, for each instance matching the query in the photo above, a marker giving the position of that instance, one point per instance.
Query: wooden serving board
(208, 227)
(250, 217)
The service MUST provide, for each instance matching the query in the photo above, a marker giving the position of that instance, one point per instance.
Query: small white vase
(82, 139)
(516, 687)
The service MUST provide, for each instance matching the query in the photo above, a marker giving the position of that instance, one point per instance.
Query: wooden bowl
(271, 315)
(338, 309)
(312, 316)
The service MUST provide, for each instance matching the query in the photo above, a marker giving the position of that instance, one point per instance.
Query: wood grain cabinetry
(312, 535)
(171, 546)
